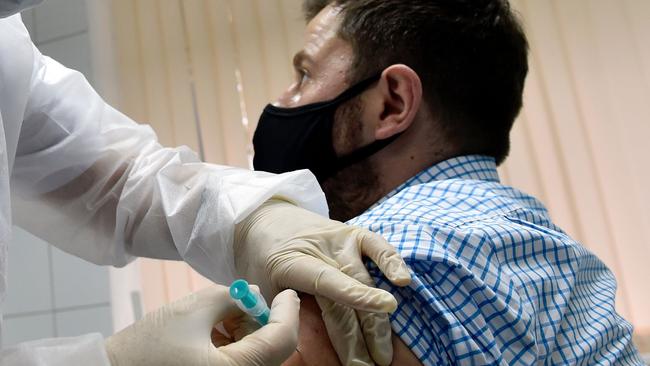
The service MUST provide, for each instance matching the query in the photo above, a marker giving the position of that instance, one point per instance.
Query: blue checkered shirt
(495, 282)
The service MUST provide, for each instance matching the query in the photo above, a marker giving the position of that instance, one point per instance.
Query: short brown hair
(472, 57)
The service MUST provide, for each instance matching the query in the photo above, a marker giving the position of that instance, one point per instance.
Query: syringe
(249, 301)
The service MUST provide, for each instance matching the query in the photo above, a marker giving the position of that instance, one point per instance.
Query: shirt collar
(470, 167)
(467, 167)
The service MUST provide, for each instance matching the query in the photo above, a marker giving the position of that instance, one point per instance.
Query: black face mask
(289, 139)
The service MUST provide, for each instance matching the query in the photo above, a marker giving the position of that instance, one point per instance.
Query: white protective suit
(68, 177)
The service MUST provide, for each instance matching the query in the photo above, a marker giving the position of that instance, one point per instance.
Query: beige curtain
(200, 72)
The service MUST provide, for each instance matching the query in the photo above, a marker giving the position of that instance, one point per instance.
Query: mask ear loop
(356, 89)
(366, 151)
(372, 148)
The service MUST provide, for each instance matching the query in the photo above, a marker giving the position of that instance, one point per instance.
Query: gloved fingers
(240, 326)
(375, 326)
(311, 275)
(271, 344)
(375, 247)
(215, 297)
(378, 336)
(204, 309)
(180, 333)
(352, 265)
(255, 288)
(285, 311)
(345, 333)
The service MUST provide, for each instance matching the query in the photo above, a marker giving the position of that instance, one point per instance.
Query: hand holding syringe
(250, 301)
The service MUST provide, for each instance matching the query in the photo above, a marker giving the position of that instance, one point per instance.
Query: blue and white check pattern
(495, 282)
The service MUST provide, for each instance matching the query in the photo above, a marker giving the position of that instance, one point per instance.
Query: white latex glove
(181, 334)
(281, 246)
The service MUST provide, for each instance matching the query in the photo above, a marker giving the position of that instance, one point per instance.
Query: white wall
(51, 293)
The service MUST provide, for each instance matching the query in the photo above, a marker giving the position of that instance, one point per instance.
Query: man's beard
(355, 188)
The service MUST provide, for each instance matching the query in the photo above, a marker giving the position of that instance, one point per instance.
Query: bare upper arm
(315, 347)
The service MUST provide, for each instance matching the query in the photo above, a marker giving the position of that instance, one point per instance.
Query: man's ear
(400, 88)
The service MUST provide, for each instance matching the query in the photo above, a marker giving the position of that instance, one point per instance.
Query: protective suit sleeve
(97, 185)
(85, 350)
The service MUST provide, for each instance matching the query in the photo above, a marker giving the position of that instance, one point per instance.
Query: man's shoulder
(453, 203)
(472, 242)
(438, 218)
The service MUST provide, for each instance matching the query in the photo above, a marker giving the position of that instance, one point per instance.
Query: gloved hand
(180, 334)
(282, 246)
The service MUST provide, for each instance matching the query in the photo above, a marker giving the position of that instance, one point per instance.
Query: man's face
(322, 73)
(322, 65)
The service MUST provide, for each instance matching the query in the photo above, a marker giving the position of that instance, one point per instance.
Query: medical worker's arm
(98, 185)
(176, 334)
(94, 183)
(181, 334)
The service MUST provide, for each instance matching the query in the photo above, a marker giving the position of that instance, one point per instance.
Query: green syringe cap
(239, 290)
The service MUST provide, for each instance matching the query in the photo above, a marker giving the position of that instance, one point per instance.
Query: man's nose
(289, 98)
